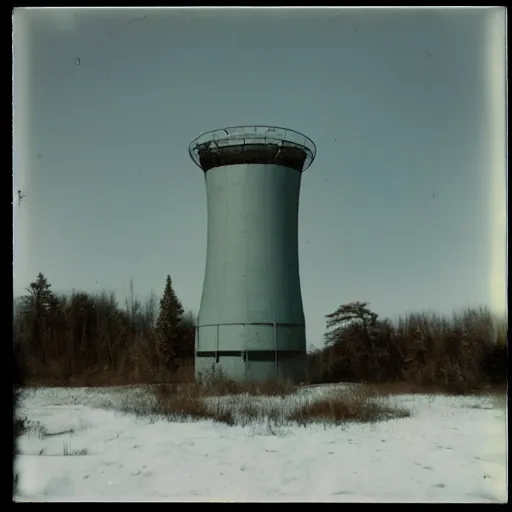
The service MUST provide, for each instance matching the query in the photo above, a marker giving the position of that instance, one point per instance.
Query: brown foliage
(240, 405)
(342, 406)
(458, 355)
(87, 339)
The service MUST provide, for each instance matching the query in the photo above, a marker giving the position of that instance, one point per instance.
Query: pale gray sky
(404, 206)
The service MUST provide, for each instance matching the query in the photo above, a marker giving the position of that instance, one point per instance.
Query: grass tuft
(23, 426)
(67, 451)
(346, 406)
(241, 407)
(215, 383)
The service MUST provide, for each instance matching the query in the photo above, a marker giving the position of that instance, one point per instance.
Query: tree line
(90, 339)
(466, 351)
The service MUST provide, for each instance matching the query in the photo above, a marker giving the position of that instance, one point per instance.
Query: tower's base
(253, 366)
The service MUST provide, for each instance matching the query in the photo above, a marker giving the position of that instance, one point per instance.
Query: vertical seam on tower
(269, 267)
(226, 218)
(245, 355)
(223, 277)
(247, 241)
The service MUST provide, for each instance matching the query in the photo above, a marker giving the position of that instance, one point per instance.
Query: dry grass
(19, 427)
(180, 401)
(271, 403)
(412, 388)
(23, 425)
(217, 384)
(217, 398)
(343, 406)
(67, 451)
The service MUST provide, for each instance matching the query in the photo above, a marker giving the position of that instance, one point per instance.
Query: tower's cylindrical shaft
(251, 319)
(251, 291)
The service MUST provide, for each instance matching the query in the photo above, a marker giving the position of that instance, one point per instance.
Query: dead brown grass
(19, 426)
(219, 385)
(189, 400)
(409, 388)
(182, 401)
(412, 388)
(243, 403)
(346, 406)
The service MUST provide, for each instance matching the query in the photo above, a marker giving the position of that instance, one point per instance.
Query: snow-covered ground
(451, 449)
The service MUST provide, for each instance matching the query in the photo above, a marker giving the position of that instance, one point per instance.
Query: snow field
(83, 447)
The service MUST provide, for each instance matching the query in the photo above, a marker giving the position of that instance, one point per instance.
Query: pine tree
(35, 310)
(169, 325)
(344, 315)
(39, 296)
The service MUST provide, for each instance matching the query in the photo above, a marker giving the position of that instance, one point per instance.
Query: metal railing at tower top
(224, 138)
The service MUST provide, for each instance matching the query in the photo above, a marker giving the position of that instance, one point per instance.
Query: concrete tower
(251, 320)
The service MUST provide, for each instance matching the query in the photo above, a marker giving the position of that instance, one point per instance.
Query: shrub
(458, 354)
(346, 406)
(195, 401)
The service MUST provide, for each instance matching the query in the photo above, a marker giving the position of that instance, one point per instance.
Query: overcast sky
(403, 207)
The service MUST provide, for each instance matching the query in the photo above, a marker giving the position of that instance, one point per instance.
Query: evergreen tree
(35, 310)
(39, 296)
(345, 315)
(169, 325)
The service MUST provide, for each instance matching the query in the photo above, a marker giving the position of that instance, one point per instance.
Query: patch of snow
(452, 449)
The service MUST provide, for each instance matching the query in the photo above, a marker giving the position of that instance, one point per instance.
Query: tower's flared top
(252, 145)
